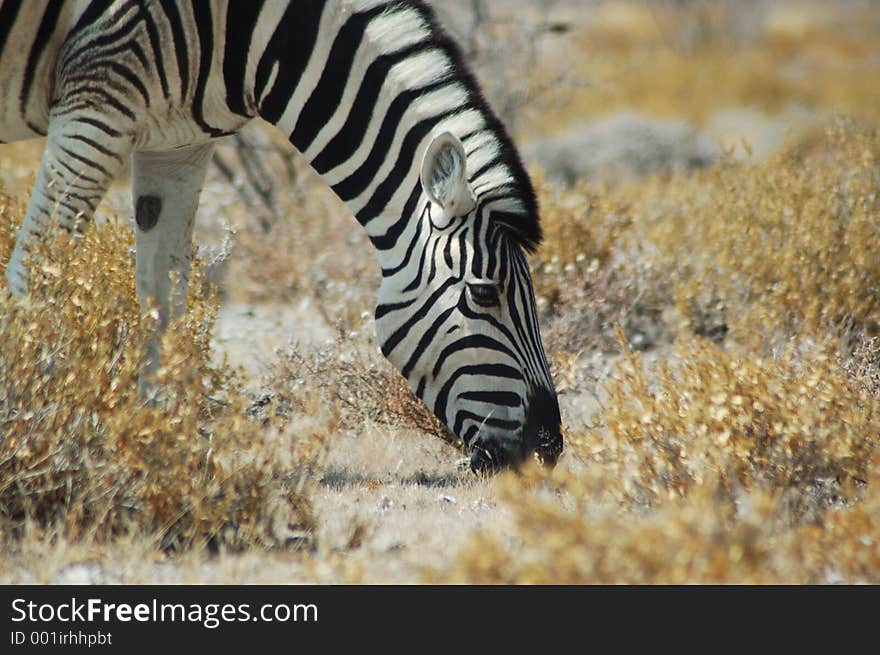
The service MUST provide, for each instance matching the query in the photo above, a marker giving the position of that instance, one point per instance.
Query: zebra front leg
(79, 163)
(165, 188)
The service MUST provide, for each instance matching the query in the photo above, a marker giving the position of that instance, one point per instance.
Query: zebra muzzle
(543, 429)
(541, 435)
(492, 454)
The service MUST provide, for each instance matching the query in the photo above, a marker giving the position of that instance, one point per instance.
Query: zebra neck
(374, 82)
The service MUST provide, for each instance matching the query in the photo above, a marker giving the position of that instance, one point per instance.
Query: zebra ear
(444, 177)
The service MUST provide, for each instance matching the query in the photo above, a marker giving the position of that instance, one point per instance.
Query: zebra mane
(515, 206)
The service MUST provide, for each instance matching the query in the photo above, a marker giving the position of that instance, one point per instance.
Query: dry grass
(744, 448)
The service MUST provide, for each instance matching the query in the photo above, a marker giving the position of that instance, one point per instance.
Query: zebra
(377, 98)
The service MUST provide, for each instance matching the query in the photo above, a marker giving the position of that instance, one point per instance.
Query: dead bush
(359, 386)
(84, 457)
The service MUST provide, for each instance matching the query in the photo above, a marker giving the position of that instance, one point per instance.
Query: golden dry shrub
(589, 275)
(794, 423)
(787, 245)
(749, 251)
(713, 467)
(82, 453)
(582, 541)
(567, 535)
(581, 228)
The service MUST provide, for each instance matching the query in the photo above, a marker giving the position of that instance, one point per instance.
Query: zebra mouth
(492, 454)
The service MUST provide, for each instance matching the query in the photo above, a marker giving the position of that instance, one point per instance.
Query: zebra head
(456, 315)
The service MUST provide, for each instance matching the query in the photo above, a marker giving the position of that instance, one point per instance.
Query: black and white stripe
(376, 97)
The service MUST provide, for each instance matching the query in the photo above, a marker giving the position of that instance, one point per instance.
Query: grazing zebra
(376, 97)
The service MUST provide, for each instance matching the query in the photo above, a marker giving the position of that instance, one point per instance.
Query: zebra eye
(485, 295)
